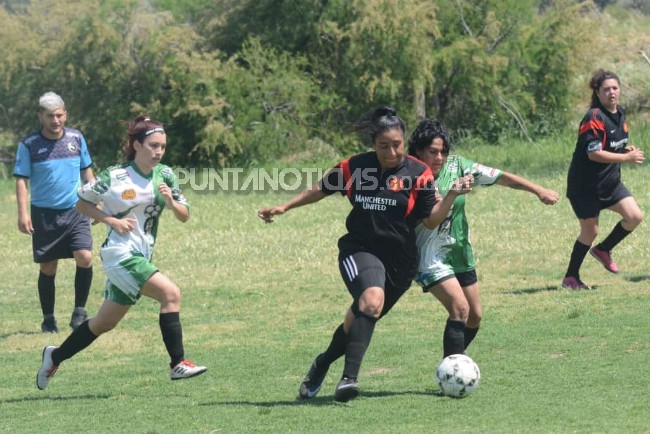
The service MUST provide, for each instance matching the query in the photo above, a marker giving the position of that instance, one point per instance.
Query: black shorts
(362, 270)
(59, 233)
(586, 207)
(465, 278)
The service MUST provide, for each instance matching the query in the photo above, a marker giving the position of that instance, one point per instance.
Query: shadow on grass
(525, 291)
(323, 400)
(53, 398)
(8, 335)
(636, 279)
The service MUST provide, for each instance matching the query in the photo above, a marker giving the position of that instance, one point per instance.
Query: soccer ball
(458, 376)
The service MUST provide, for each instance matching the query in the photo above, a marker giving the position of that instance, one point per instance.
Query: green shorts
(126, 278)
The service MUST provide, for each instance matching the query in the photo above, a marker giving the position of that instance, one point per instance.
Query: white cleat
(186, 369)
(48, 368)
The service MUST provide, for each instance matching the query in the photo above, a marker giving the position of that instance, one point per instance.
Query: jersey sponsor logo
(594, 146)
(619, 144)
(167, 172)
(42, 151)
(612, 131)
(395, 184)
(129, 194)
(72, 147)
(151, 212)
(374, 203)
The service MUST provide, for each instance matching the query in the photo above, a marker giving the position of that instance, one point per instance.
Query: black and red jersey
(386, 204)
(603, 130)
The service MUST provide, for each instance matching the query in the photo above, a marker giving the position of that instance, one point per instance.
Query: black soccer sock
(616, 236)
(358, 342)
(46, 293)
(80, 338)
(577, 257)
(335, 350)
(82, 280)
(453, 338)
(172, 335)
(470, 334)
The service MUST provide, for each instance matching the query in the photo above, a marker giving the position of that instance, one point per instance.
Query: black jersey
(599, 130)
(386, 205)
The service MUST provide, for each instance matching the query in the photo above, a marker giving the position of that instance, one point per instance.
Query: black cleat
(79, 315)
(313, 381)
(49, 325)
(347, 389)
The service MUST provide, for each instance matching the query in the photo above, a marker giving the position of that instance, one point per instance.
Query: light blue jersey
(53, 168)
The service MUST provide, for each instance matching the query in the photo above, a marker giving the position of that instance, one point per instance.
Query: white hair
(51, 101)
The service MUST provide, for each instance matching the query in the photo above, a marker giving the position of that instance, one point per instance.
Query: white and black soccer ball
(458, 376)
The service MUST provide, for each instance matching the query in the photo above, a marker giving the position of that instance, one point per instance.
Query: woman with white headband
(133, 195)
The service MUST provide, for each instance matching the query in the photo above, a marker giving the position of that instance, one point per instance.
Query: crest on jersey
(128, 194)
(395, 184)
(72, 147)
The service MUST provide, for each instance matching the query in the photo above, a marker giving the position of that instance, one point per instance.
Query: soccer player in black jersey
(594, 181)
(390, 193)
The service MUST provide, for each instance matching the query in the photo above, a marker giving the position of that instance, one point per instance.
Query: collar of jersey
(139, 172)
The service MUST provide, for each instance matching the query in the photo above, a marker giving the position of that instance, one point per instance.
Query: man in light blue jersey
(50, 165)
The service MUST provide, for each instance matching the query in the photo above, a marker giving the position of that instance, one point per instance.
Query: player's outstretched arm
(310, 195)
(549, 197)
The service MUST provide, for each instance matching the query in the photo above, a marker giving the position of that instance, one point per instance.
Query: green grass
(260, 301)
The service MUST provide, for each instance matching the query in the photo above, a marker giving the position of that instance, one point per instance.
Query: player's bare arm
(24, 219)
(546, 196)
(310, 195)
(121, 226)
(180, 211)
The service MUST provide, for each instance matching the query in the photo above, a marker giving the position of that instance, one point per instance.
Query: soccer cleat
(313, 381)
(347, 389)
(79, 315)
(574, 283)
(604, 258)
(49, 326)
(48, 368)
(186, 369)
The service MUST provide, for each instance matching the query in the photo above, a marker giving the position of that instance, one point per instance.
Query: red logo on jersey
(396, 184)
(625, 127)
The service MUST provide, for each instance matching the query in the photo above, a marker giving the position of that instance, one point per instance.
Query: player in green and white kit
(447, 268)
(133, 195)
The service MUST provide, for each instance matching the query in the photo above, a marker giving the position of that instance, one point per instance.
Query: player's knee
(171, 296)
(83, 258)
(635, 219)
(459, 309)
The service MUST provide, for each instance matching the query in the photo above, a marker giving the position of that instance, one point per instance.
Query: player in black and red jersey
(594, 181)
(390, 193)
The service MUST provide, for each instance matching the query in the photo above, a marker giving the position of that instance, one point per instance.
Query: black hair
(425, 132)
(378, 121)
(597, 80)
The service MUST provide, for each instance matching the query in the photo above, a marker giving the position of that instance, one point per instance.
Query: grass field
(260, 301)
